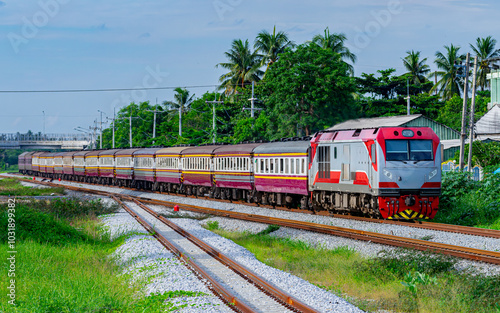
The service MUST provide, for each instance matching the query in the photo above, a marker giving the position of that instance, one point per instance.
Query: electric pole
(464, 110)
(252, 102)
(472, 108)
(154, 119)
(407, 96)
(100, 140)
(213, 115)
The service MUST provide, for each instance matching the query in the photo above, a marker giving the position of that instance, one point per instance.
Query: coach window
(286, 166)
(303, 169)
(271, 166)
(292, 166)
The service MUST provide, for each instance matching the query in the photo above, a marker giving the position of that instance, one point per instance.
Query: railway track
(474, 231)
(458, 251)
(239, 287)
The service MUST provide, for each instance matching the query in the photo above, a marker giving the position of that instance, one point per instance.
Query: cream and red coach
(281, 173)
(68, 165)
(168, 169)
(124, 166)
(107, 166)
(232, 171)
(196, 174)
(144, 168)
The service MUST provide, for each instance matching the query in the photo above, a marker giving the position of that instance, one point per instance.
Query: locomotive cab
(409, 173)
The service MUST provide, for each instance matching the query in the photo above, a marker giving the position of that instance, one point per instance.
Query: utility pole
(464, 110)
(154, 119)
(407, 96)
(114, 118)
(472, 108)
(100, 140)
(213, 115)
(252, 101)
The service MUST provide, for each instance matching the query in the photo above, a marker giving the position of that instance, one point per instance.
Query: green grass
(12, 187)
(63, 263)
(377, 283)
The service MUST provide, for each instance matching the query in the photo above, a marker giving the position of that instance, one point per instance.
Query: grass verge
(12, 187)
(398, 281)
(63, 263)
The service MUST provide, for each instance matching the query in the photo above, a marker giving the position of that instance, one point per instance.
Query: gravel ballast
(147, 261)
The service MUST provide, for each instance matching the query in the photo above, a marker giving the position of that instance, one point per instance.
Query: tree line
(302, 88)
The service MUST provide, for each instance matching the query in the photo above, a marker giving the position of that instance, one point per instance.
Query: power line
(102, 90)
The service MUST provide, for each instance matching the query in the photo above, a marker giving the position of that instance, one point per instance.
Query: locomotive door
(346, 165)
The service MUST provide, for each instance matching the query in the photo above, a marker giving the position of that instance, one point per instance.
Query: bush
(467, 202)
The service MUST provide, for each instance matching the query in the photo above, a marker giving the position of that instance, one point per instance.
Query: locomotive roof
(283, 147)
(126, 152)
(171, 150)
(200, 150)
(246, 148)
(375, 122)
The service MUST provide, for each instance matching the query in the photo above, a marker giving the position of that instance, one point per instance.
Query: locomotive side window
(335, 152)
(409, 150)
(374, 154)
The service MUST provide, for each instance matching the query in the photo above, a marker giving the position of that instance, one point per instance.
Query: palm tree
(181, 103)
(243, 66)
(449, 84)
(335, 42)
(484, 49)
(417, 69)
(271, 45)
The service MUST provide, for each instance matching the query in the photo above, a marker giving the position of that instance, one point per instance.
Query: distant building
(450, 138)
(494, 78)
(488, 126)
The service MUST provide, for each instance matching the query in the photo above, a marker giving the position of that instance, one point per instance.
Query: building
(448, 136)
(494, 78)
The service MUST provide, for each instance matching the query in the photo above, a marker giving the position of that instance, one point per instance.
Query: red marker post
(176, 208)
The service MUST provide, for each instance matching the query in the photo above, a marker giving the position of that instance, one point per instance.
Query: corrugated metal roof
(375, 122)
(490, 122)
(237, 149)
(283, 147)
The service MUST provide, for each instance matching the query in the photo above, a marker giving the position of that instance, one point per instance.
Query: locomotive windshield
(409, 150)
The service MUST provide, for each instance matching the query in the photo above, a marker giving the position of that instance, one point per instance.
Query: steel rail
(222, 292)
(459, 229)
(258, 281)
(462, 252)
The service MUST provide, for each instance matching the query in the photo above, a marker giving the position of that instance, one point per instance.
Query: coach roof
(282, 147)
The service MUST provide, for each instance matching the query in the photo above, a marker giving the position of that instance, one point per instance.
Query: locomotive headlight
(432, 174)
(387, 173)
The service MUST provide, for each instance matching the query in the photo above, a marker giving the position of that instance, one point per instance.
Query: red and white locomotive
(385, 172)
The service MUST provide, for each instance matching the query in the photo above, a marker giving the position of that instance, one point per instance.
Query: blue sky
(76, 44)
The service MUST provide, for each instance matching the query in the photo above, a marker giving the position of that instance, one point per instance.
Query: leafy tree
(449, 84)
(271, 45)
(310, 89)
(243, 66)
(417, 69)
(484, 49)
(335, 42)
(451, 112)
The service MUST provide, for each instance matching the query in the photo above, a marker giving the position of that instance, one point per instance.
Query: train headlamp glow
(432, 174)
(408, 133)
(387, 173)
